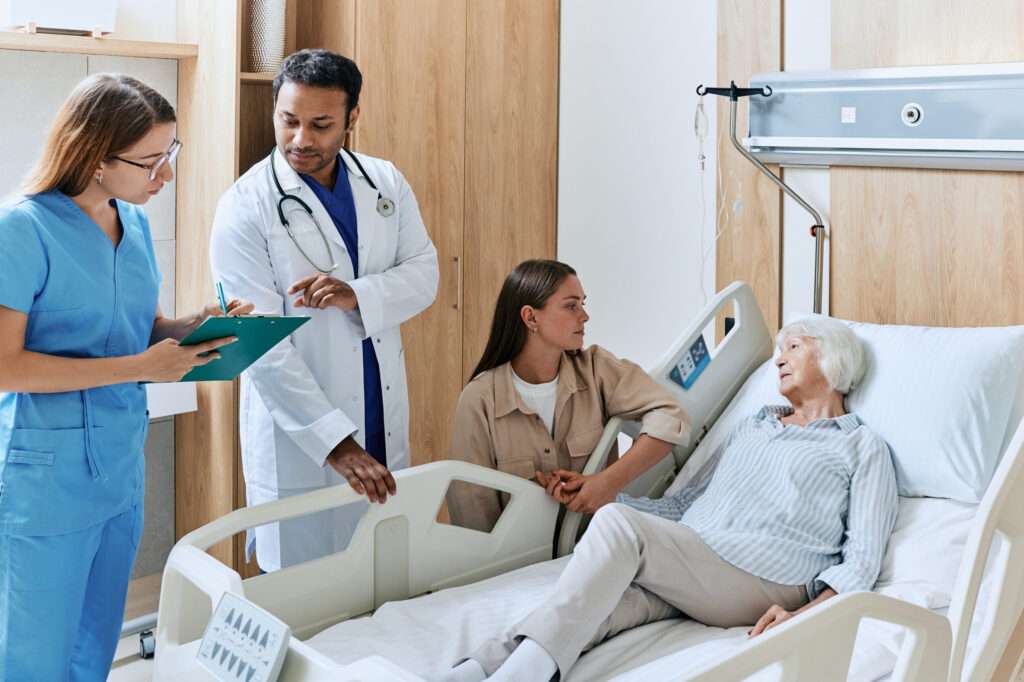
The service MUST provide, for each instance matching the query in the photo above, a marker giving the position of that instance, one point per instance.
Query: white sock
(530, 661)
(467, 671)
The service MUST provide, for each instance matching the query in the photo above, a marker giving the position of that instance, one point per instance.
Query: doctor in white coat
(314, 229)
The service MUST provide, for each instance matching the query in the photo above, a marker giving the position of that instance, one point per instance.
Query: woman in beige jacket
(538, 401)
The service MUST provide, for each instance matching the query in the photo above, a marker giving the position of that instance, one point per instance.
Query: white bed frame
(400, 551)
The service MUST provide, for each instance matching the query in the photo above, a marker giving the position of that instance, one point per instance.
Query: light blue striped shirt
(811, 505)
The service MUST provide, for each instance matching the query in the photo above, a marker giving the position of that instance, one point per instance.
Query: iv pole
(818, 229)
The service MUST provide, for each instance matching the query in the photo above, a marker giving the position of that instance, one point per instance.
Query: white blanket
(428, 634)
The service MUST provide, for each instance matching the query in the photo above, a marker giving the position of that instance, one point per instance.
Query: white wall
(136, 19)
(629, 198)
(147, 20)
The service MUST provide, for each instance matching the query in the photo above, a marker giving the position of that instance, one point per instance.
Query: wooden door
(511, 151)
(413, 59)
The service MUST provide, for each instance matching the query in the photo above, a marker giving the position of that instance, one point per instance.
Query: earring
(99, 178)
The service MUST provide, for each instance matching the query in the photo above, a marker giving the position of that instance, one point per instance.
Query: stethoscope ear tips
(385, 207)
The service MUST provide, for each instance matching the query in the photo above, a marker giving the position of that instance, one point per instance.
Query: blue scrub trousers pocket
(62, 599)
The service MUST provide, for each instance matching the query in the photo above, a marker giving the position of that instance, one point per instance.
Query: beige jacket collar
(507, 398)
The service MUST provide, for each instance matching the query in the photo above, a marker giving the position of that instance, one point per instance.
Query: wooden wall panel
(750, 206)
(205, 441)
(511, 150)
(923, 246)
(414, 114)
(330, 24)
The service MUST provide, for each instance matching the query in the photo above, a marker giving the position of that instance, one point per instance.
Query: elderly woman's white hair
(840, 352)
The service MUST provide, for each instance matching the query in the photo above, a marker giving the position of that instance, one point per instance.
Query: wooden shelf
(46, 42)
(257, 77)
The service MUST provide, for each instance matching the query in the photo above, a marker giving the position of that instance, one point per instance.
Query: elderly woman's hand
(775, 615)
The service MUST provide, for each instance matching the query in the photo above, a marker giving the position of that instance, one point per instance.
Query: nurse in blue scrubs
(80, 329)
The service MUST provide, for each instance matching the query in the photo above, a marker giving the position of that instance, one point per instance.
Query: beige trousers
(632, 568)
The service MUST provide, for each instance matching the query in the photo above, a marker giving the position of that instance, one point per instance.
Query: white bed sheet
(427, 634)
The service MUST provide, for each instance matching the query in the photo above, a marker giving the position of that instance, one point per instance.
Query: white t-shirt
(540, 398)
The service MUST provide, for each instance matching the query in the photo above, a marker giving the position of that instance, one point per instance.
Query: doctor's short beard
(318, 158)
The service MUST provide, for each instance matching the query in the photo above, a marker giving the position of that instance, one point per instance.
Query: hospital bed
(411, 594)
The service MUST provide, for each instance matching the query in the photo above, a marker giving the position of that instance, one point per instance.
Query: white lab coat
(306, 395)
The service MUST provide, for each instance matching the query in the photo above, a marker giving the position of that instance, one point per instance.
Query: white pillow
(946, 400)
(942, 398)
(924, 551)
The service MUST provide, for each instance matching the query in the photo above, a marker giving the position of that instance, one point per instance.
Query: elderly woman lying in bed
(796, 506)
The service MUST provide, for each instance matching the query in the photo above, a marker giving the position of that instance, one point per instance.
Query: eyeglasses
(154, 168)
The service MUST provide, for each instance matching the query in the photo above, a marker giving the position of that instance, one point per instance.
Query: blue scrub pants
(62, 599)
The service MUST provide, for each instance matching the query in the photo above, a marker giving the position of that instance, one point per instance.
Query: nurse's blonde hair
(102, 117)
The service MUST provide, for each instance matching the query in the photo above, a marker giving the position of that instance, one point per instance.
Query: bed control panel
(243, 642)
(691, 364)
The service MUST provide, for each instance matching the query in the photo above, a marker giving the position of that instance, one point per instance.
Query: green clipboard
(256, 335)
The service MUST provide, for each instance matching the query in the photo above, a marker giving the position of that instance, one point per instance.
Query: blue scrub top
(73, 460)
(341, 206)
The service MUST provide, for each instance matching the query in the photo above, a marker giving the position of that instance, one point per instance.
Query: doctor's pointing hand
(321, 291)
(316, 229)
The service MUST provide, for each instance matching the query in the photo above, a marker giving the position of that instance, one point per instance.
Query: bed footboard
(818, 645)
(399, 550)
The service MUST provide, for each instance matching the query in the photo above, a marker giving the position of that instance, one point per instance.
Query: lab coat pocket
(289, 251)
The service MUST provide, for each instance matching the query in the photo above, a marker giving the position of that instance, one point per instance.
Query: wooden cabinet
(462, 96)
(414, 114)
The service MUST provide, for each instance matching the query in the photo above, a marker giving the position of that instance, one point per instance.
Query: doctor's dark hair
(103, 116)
(322, 69)
(531, 283)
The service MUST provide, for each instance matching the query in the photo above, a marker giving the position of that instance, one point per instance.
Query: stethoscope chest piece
(385, 207)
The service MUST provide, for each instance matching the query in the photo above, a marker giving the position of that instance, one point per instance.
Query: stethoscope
(385, 207)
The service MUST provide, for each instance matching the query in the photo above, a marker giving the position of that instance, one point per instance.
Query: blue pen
(220, 297)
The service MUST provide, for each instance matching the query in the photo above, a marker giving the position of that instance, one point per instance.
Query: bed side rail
(1000, 514)
(747, 345)
(818, 644)
(399, 550)
(744, 348)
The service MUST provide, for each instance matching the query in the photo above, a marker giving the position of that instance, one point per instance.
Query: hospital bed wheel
(147, 644)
